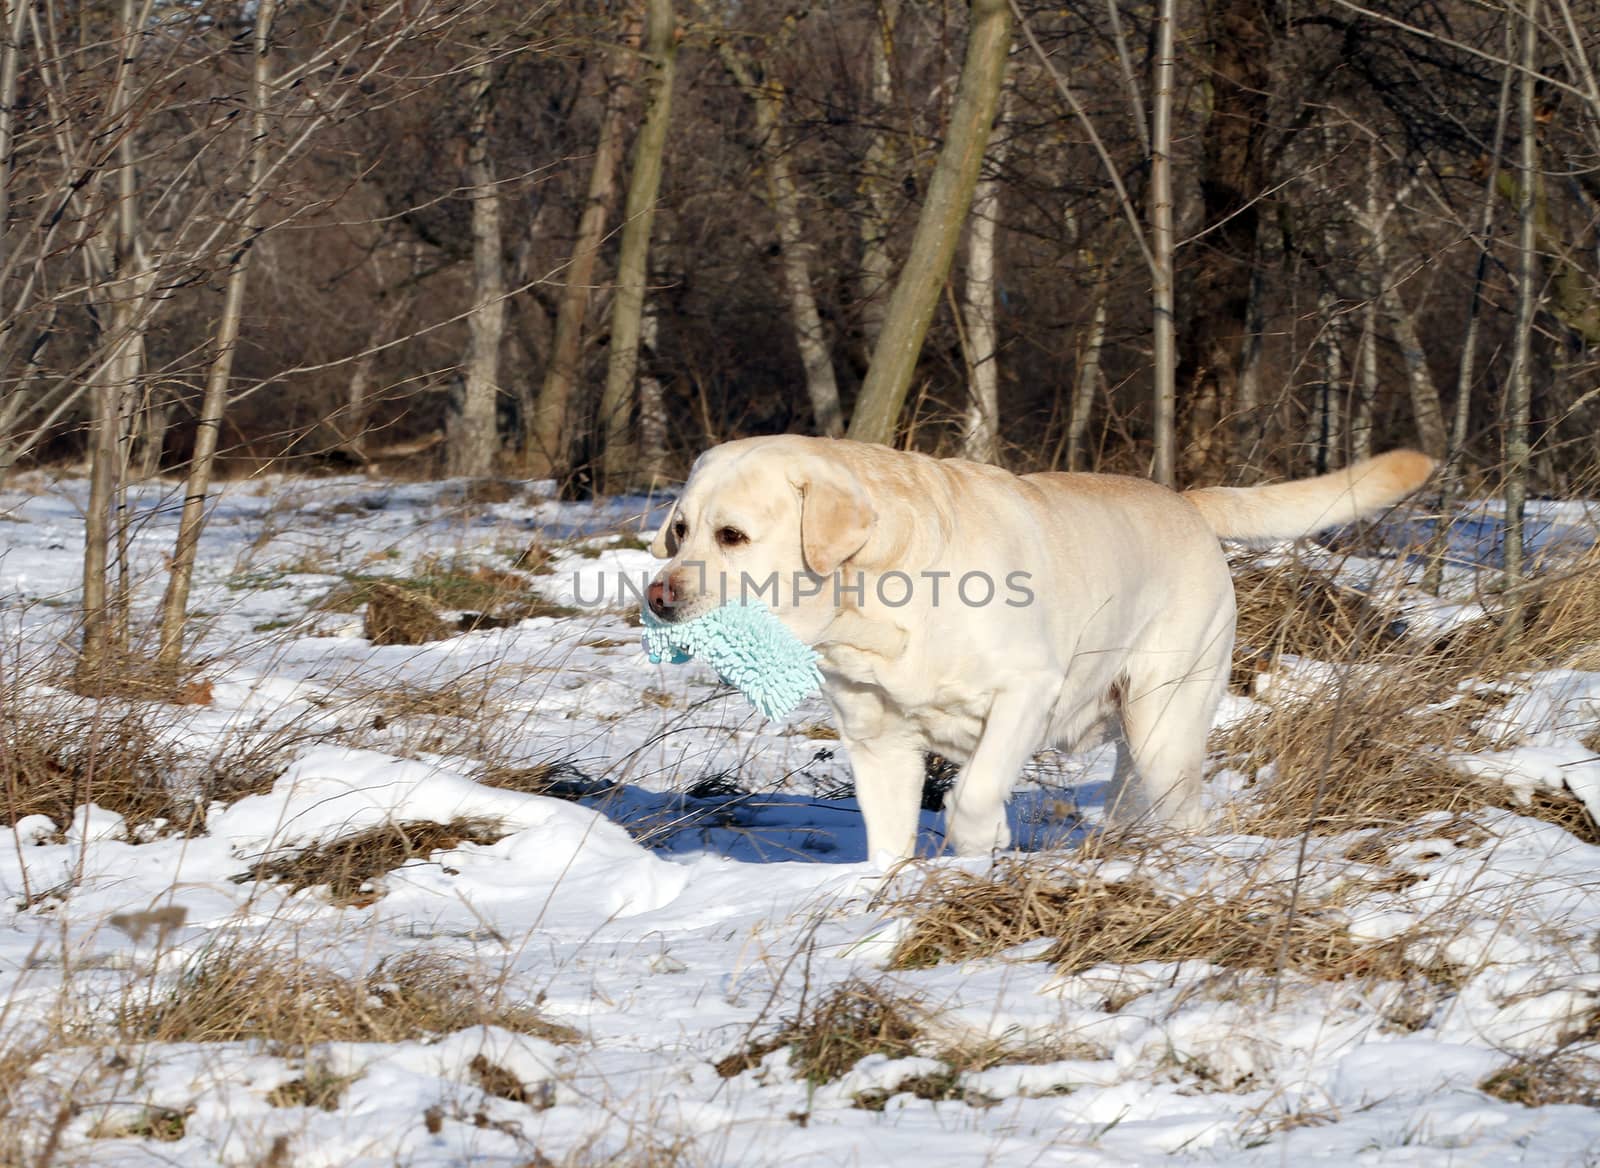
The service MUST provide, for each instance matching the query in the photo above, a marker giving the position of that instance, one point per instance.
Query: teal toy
(749, 648)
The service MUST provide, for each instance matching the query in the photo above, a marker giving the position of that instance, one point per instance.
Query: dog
(962, 609)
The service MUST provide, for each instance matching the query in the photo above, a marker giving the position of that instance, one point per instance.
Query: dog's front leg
(888, 774)
(975, 811)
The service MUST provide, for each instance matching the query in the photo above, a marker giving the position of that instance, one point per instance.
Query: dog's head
(769, 519)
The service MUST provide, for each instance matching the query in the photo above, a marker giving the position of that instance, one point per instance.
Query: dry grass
(397, 617)
(161, 1124)
(1369, 748)
(455, 700)
(50, 765)
(1294, 608)
(17, 1060)
(407, 611)
(1564, 628)
(558, 780)
(859, 1018)
(1570, 1075)
(126, 757)
(855, 1020)
(233, 995)
(317, 1087)
(1368, 751)
(489, 491)
(958, 916)
(352, 868)
(133, 675)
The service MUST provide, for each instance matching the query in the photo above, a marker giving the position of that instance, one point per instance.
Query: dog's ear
(836, 519)
(665, 545)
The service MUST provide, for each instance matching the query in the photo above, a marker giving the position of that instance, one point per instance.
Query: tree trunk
(653, 422)
(1249, 427)
(1325, 427)
(470, 433)
(358, 391)
(155, 420)
(1089, 376)
(208, 427)
(822, 389)
(12, 26)
(1365, 376)
(545, 434)
(1233, 175)
(104, 619)
(1450, 473)
(916, 294)
(644, 185)
(980, 435)
(1164, 465)
(95, 653)
(1366, 384)
(1519, 391)
(1425, 408)
(877, 183)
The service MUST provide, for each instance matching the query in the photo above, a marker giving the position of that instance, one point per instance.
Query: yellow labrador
(962, 609)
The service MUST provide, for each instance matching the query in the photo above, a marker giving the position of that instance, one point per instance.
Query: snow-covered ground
(700, 885)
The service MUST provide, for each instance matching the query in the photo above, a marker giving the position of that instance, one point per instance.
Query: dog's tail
(1292, 510)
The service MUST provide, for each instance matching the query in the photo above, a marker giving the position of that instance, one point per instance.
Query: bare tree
(175, 604)
(545, 434)
(816, 356)
(1164, 465)
(644, 184)
(916, 294)
(1232, 175)
(980, 433)
(104, 620)
(877, 180)
(1090, 377)
(470, 444)
(1519, 391)
(1450, 472)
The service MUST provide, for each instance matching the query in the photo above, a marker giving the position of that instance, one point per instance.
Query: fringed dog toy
(749, 648)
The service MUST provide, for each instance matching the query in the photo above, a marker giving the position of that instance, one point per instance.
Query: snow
(702, 879)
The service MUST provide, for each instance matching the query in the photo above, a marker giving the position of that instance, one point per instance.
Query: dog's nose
(659, 596)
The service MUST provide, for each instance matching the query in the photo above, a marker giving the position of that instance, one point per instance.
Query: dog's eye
(731, 537)
(680, 529)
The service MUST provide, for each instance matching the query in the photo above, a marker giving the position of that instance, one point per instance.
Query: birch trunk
(545, 434)
(653, 423)
(1325, 427)
(916, 294)
(1519, 391)
(1365, 376)
(1426, 410)
(470, 432)
(644, 186)
(1089, 377)
(175, 603)
(980, 435)
(1366, 384)
(1164, 466)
